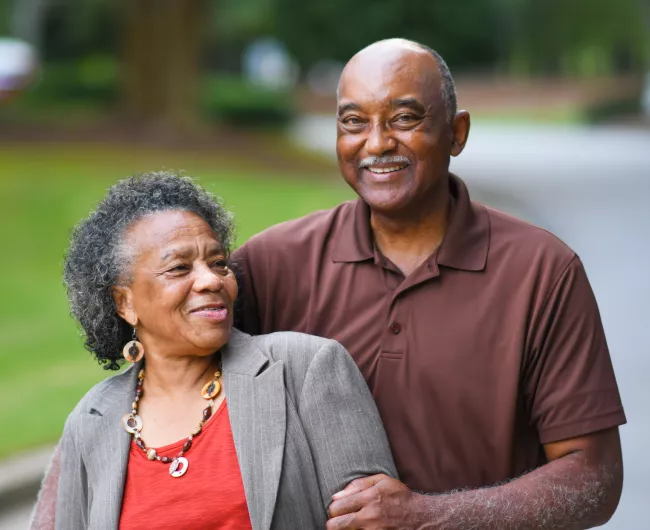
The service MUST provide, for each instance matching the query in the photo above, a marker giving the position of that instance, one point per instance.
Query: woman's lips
(214, 315)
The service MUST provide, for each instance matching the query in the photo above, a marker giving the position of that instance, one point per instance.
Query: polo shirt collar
(355, 240)
(465, 245)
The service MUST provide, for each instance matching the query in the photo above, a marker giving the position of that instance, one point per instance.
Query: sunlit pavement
(16, 519)
(591, 187)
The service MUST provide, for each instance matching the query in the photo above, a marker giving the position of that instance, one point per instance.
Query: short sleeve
(569, 385)
(246, 311)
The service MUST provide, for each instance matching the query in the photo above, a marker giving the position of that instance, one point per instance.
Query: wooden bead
(151, 454)
(211, 389)
(187, 445)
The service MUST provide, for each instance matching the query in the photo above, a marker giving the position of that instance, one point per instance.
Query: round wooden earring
(133, 351)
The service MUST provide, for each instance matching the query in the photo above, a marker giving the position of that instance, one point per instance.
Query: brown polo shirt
(491, 348)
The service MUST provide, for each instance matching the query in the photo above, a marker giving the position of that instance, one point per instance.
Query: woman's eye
(221, 265)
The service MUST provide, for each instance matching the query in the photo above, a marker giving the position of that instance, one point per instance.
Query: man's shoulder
(514, 237)
(305, 230)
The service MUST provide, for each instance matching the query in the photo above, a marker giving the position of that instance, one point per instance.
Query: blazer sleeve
(71, 500)
(341, 422)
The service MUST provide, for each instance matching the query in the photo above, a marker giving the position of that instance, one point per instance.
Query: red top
(210, 495)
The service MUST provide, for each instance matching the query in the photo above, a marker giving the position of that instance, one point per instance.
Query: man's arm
(579, 488)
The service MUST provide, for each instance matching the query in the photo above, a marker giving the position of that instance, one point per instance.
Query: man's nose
(206, 279)
(380, 140)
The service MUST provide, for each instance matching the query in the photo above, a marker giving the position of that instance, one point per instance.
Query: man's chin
(389, 202)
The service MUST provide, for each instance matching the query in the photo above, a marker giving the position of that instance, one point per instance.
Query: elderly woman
(208, 427)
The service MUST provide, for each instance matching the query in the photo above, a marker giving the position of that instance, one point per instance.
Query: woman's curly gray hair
(97, 258)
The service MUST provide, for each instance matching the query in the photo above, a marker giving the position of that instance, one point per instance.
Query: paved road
(591, 187)
(16, 518)
(19, 478)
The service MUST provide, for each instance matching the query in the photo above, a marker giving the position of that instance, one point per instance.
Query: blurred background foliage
(161, 60)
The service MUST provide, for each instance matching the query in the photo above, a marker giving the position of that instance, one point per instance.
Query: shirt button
(396, 328)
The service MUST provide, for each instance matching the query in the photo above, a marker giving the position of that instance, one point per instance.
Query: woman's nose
(207, 280)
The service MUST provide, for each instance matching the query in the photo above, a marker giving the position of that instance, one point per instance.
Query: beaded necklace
(132, 424)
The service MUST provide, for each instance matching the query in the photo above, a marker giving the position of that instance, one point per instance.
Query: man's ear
(460, 132)
(123, 298)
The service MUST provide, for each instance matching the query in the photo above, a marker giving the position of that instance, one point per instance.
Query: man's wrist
(422, 510)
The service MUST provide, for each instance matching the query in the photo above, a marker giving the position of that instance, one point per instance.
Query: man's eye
(405, 118)
(179, 268)
(352, 120)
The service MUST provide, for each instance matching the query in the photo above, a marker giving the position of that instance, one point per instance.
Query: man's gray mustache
(374, 160)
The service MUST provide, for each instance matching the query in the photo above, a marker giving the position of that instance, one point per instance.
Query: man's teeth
(385, 169)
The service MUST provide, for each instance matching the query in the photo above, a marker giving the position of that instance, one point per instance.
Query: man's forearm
(564, 494)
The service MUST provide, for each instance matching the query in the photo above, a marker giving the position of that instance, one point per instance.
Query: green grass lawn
(44, 191)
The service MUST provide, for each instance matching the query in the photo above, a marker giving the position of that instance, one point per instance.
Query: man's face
(393, 134)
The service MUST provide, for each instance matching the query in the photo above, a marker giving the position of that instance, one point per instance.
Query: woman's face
(182, 293)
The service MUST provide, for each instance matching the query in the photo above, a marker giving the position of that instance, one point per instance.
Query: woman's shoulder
(301, 354)
(300, 351)
(105, 391)
(291, 346)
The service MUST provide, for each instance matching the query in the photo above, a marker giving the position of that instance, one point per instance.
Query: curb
(21, 476)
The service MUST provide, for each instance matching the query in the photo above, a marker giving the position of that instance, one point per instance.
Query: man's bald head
(384, 48)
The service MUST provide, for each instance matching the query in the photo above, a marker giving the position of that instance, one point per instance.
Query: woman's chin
(212, 340)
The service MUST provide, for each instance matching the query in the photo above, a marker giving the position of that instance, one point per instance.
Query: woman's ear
(123, 298)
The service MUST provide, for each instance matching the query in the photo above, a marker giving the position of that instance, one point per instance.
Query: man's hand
(579, 488)
(375, 502)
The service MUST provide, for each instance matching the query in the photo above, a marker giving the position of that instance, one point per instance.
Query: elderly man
(478, 334)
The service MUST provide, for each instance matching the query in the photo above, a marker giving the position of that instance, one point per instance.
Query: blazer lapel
(106, 448)
(256, 403)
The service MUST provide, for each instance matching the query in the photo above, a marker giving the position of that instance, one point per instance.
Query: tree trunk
(161, 61)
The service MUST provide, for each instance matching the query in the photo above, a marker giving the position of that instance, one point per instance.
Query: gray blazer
(303, 421)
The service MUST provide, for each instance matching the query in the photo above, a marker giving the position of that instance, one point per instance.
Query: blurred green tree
(148, 54)
(463, 32)
(156, 45)
(580, 37)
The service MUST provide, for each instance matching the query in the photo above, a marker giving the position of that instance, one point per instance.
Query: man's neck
(409, 241)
